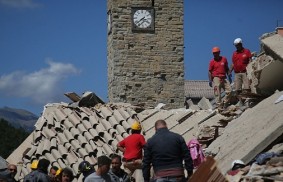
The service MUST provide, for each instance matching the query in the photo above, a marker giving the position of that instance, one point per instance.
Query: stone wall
(146, 68)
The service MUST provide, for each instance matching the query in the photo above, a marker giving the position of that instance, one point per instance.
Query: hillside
(11, 138)
(19, 118)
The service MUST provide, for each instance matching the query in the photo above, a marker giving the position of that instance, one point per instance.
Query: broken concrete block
(191, 105)
(204, 104)
(265, 70)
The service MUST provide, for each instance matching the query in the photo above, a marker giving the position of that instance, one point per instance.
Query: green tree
(11, 138)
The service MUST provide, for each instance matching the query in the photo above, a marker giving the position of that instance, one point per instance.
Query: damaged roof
(198, 89)
(66, 134)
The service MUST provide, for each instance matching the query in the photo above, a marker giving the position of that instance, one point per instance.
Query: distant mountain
(19, 118)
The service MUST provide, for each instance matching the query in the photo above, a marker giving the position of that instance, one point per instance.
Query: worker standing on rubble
(132, 147)
(218, 68)
(240, 59)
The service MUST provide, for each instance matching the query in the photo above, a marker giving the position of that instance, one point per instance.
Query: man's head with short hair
(160, 124)
(43, 165)
(116, 162)
(103, 160)
(114, 156)
(103, 163)
(13, 169)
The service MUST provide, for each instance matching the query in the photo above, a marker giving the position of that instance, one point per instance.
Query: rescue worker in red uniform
(218, 69)
(240, 59)
(132, 147)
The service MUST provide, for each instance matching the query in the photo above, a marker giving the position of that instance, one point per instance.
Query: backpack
(196, 152)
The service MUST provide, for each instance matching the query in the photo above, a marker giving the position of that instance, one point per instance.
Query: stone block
(205, 104)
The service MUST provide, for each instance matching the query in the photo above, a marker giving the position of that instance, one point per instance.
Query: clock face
(142, 18)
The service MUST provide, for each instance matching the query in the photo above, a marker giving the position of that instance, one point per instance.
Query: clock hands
(140, 21)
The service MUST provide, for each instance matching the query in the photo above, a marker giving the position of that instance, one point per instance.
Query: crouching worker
(132, 147)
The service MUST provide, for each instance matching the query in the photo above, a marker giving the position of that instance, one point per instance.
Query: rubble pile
(266, 167)
(251, 131)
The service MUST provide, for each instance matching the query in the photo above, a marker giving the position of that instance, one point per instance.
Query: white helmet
(237, 162)
(238, 41)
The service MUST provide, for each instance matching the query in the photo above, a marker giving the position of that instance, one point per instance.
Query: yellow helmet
(34, 164)
(58, 171)
(136, 126)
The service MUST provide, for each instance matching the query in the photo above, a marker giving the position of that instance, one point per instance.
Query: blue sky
(51, 47)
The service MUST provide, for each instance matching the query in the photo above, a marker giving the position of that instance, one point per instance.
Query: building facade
(146, 52)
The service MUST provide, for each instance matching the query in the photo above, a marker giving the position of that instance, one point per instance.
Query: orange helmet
(215, 49)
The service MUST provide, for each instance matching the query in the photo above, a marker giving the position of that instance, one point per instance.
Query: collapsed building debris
(250, 134)
(66, 133)
(265, 71)
(256, 127)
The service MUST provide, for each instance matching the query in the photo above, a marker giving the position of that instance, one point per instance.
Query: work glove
(210, 83)
(230, 78)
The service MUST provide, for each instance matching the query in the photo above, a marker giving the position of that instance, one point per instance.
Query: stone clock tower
(146, 52)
